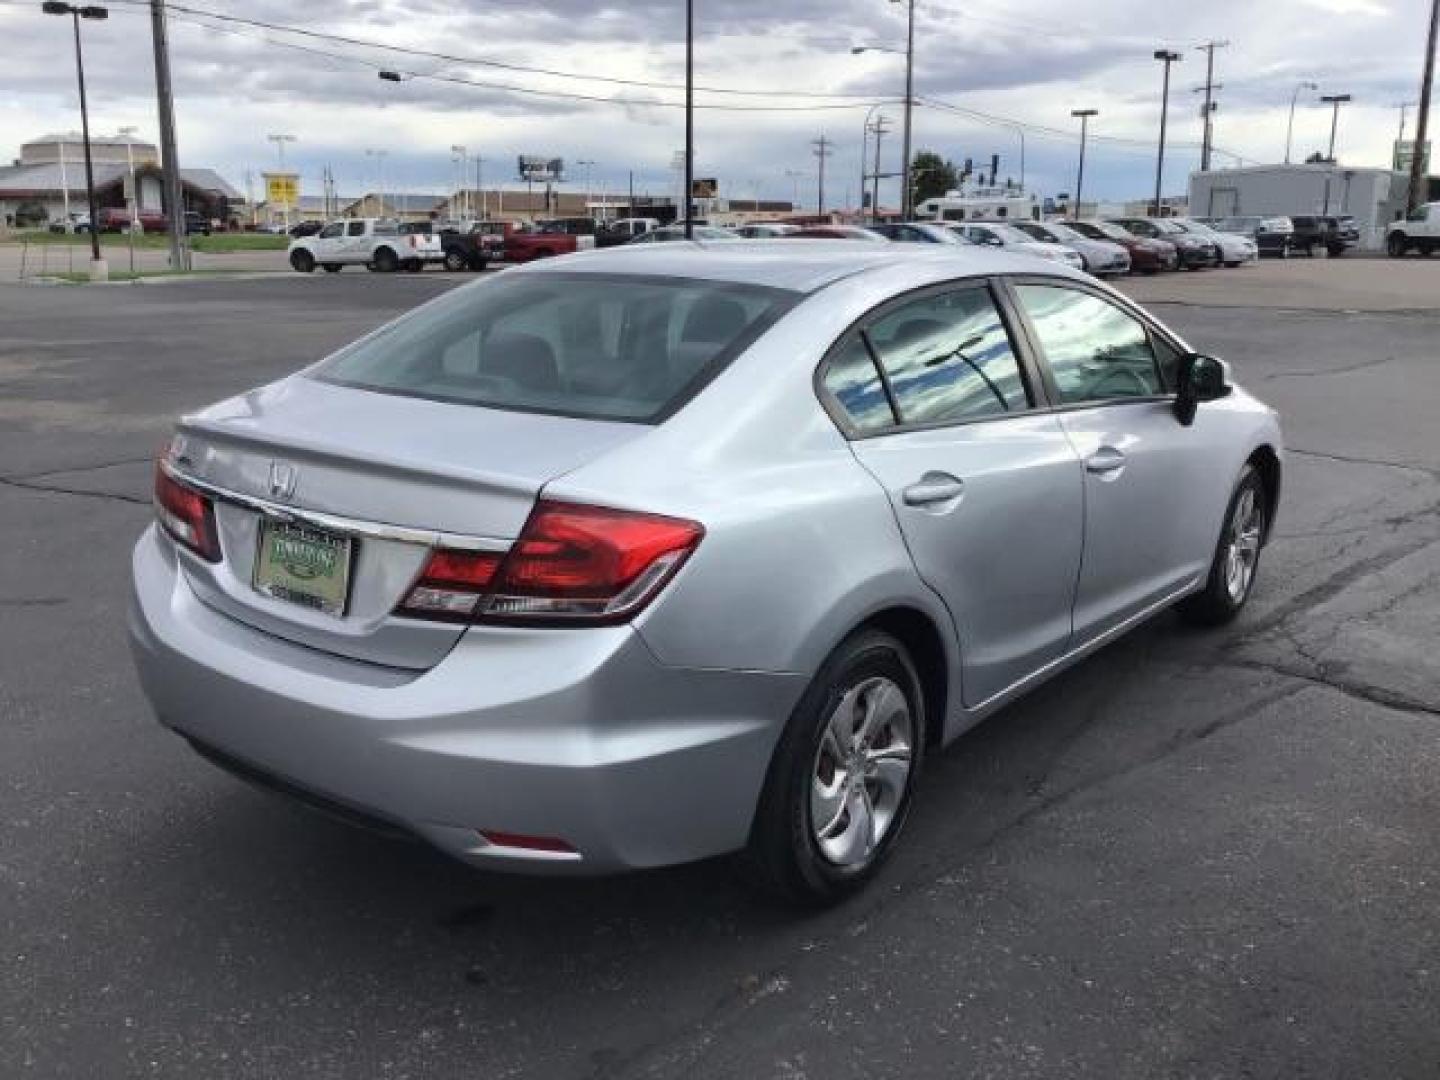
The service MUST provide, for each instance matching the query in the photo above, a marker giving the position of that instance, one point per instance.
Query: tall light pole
(1422, 115)
(907, 196)
(379, 156)
(689, 115)
(1084, 115)
(457, 157)
(1167, 57)
(589, 165)
(864, 145)
(98, 270)
(280, 140)
(1290, 128)
(133, 203)
(1335, 101)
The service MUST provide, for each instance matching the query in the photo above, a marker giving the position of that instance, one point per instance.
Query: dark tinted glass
(624, 347)
(948, 358)
(1096, 351)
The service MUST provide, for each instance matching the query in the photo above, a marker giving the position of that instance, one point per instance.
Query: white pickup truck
(1420, 231)
(375, 243)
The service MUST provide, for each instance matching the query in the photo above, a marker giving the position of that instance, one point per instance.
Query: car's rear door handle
(933, 489)
(1105, 460)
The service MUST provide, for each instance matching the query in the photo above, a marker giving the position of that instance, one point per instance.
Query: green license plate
(303, 565)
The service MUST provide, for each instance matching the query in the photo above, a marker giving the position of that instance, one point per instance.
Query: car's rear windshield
(606, 347)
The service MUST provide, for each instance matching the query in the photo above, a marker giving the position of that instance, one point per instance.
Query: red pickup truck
(543, 239)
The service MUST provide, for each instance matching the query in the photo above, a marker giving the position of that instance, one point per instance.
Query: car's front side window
(355, 228)
(1095, 350)
(330, 232)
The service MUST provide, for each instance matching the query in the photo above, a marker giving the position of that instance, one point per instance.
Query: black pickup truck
(464, 244)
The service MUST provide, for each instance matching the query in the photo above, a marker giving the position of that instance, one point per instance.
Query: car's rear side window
(619, 347)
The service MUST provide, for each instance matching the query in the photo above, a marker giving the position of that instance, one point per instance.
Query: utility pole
(480, 186)
(822, 151)
(1334, 100)
(1167, 57)
(173, 194)
(1084, 115)
(1422, 114)
(689, 115)
(1208, 109)
(880, 130)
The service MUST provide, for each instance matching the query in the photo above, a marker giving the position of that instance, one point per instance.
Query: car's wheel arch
(1267, 463)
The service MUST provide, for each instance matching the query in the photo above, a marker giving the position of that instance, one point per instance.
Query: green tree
(931, 175)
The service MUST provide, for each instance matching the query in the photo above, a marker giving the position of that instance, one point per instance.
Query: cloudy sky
(778, 74)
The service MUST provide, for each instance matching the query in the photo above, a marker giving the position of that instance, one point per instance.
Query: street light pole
(1334, 100)
(689, 115)
(98, 270)
(458, 158)
(280, 141)
(1167, 57)
(864, 145)
(1290, 128)
(1084, 115)
(907, 198)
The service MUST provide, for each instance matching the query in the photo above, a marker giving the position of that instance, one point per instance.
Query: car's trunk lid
(390, 477)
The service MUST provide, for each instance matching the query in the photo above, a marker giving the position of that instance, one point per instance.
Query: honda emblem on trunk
(283, 478)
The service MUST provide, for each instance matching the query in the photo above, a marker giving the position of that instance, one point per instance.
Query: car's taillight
(571, 564)
(186, 515)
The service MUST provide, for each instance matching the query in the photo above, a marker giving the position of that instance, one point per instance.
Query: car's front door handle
(933, 489)
(1105, 460)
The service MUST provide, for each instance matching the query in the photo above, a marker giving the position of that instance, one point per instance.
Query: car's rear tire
(456, 261)
(1237, 555)
(386, 261)
(1396, 245)
(850, 753)
(302, 261)
(330, 268)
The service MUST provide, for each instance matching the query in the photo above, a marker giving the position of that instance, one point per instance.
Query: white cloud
(1033, 62)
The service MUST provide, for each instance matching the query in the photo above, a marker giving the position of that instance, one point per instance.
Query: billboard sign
(282, 189)
(533, 167)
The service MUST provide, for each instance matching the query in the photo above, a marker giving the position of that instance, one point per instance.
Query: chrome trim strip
(372, 530)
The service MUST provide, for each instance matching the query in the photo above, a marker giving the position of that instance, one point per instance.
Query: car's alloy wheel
(455, 260)
(1237, 555)
(840, 785)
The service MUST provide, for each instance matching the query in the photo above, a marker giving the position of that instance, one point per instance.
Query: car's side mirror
(1201, 378)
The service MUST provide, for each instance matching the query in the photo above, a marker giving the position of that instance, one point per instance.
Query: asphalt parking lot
(1206, 855)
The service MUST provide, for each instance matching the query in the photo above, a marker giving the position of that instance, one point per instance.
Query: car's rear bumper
(576, 735)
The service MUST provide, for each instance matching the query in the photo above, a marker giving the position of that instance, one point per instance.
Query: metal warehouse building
(1373, 197)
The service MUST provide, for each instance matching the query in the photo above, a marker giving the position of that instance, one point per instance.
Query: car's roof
(799, 266)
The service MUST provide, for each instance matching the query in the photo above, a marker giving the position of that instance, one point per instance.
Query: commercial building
(1373, 197)
(46, 183)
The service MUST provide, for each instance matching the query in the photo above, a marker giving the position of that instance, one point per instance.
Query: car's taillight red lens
(570, 564)
(186, 515)
(451, 584)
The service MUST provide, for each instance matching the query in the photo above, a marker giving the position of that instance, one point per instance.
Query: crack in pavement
(1428, 470)
(79, 468)
(56, 489)
(1346, 370)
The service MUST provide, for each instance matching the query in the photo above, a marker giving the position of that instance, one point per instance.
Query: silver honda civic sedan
(647, 555)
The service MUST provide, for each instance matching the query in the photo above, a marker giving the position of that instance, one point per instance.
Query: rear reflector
(571, 564)
(186, 515)
(527, 843)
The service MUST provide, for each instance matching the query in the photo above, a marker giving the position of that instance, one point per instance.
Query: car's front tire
(302, 261)
(841, 783)
(1396, 245)
(386, 261)
(1237, 555)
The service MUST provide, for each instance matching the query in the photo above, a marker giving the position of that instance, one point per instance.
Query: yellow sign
(282, 189)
